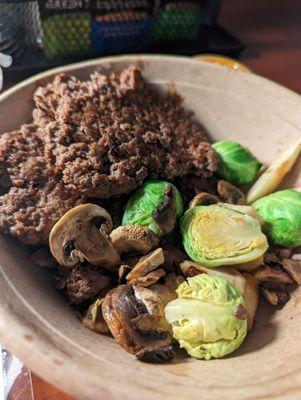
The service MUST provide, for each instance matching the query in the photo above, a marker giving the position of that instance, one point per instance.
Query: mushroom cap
(134, 239)
(134, 328)
(203, 199)
(230, 193)
(81, 235)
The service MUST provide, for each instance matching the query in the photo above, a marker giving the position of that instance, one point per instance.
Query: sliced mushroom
(296, 255)
(230, 193)
(122, 273)
(93, 318)
(81, 235)
(150, 279)
(271, 258)
(266, 273)
(244, 283)
(285, 253)
(165, 214)
(145, 272)
(134, 239)
(43, 258)
(134, 328)
(274, 285)
(293, 268)
(172, 258)
(154, 304)
(203, 199)
(275, 297)
(167, 290)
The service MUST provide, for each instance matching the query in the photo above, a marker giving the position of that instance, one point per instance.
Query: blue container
(113, 37)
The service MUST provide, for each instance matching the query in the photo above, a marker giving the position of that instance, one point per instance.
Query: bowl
(38, 326)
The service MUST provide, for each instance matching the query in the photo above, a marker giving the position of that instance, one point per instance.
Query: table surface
(271, 32)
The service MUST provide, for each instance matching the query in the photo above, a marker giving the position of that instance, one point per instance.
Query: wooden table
(271, 31)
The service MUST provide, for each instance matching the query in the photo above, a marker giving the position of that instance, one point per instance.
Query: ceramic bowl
(38, 326)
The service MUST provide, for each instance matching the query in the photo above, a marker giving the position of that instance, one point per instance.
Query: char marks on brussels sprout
(165, 214)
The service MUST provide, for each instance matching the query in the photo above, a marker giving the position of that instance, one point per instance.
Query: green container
(66, 28)
(177, 21)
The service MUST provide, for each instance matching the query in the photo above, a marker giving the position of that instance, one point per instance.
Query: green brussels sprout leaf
(237, 164)
(209, 318)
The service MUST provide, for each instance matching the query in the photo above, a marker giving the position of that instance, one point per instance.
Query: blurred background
(47, 33)
(265, 35)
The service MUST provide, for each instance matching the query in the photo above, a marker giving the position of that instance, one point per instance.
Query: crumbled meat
(94, 139)
(82, 283)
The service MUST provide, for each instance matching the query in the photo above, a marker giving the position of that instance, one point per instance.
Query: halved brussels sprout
(218, 235)
(209, 318)
(156, 205)
(237, 164)
(281, 212)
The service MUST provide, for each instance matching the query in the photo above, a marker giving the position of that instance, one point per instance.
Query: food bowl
(39, 327)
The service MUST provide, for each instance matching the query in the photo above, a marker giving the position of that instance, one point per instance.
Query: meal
(156, 236)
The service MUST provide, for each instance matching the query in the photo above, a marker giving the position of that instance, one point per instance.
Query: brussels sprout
(282, 217)
(156, 205)
(237, 164)
(209, 318)
(218, 235)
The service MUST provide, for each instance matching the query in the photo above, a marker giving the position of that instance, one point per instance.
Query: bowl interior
(39, 327)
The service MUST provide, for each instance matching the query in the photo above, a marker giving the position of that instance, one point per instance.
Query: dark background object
(52, 35)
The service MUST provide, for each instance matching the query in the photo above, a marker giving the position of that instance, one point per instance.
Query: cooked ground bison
(81, 283)
(94, 139)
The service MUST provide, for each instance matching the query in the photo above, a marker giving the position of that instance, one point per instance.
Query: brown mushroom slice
(203, 199)
(165, 291)
(134, 328)
(172, 258)
(230, 193)
(150, 279)
(296, 255)
(134, 239)
(275, 297)
(285, 253)
(293, 268)
(265, 273)
(93, 318)
(43, 258)
(122, 273)
(147, 264)
(165, 215)
(80, 235)
(271, 258)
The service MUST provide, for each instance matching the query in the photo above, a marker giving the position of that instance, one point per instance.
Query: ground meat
(94, 139)
(81, 283)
